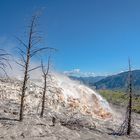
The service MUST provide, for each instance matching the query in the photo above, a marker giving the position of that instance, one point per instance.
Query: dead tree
(129, 108)
(45, 74)
(27, 51)
(126, 127)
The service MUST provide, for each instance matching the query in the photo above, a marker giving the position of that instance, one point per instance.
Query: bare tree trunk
(130, 101)
(28, 56)
(45, 74)
(43, 98)
(24, 89)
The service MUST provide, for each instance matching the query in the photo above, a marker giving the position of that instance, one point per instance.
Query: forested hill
(119, 81)
(113, 82)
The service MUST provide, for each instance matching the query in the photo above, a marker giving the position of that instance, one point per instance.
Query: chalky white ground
(65, 99)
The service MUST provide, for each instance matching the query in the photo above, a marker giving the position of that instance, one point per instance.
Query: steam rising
(78, 96)
(62, 90)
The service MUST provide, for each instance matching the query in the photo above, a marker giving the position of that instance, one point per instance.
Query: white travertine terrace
(62, 93)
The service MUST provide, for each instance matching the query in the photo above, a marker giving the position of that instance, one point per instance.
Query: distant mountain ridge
(89, 81)
(119, 81)
(113, 82)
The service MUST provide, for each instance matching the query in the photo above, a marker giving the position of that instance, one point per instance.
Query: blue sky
(91, 35)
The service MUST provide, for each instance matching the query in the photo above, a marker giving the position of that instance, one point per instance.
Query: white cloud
(78, 72)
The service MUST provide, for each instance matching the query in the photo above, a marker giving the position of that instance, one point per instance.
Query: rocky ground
(68, 126)
(35, 128)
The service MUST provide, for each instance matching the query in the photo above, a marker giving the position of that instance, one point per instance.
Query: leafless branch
(20, 64)
(22, 42)
(34, 52)
(21, 51)
(34, 68)
(4, 61)
(22, 58)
